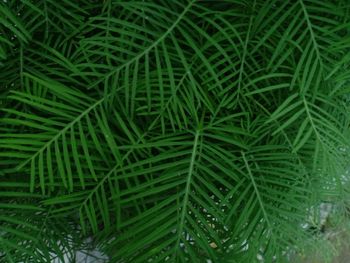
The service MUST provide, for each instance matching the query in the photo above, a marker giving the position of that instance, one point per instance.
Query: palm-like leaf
(171, 130)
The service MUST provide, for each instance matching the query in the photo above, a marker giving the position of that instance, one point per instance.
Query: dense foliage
(169, 131)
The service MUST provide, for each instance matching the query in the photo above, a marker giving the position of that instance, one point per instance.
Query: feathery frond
(177, 131)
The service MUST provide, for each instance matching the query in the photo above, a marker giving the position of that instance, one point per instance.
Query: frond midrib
(312, 33)
(61, 132)
(149, 48)
(185, 201)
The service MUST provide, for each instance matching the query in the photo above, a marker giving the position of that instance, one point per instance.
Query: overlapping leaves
(170, 130)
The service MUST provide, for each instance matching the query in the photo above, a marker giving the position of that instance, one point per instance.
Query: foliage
(169, 131)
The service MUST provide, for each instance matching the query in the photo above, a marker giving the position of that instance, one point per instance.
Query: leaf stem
(311, 32)
(256, 190)
(187, 192)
